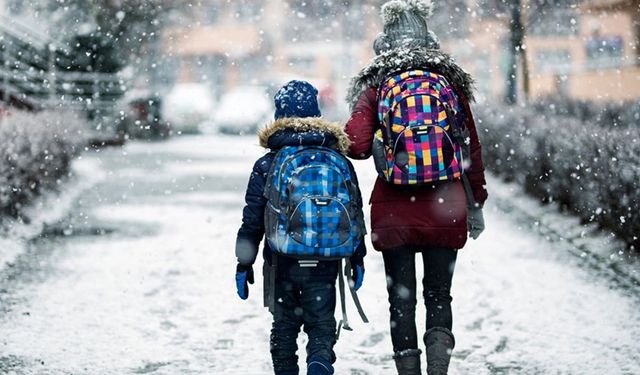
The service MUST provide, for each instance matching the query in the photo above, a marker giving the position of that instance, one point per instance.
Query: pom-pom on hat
(405, 25)
(297, 99)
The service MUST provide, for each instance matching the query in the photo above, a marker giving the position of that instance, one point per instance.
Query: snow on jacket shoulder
(283, 132)
(427, 215)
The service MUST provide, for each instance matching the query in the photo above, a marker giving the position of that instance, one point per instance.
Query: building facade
(584, 51)
(270, 42)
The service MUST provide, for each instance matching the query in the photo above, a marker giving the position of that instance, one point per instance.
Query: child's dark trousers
(304, 297)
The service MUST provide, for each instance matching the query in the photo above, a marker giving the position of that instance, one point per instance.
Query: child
(300, 290)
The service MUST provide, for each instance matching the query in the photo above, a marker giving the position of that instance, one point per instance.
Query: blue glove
(357, 275)
(244, 275)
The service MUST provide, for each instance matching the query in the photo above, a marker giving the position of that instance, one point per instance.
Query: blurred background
(185, 64)
(128, 132)
(558, 82)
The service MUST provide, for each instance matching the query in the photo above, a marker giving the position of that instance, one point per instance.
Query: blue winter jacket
(284, 132)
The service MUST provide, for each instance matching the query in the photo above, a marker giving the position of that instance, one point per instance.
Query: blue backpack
(313, 210)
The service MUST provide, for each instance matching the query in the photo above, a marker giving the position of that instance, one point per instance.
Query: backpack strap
(387, 117)
(344, 322)
(269, 285)
(389, 125)
(354, 295)
(471, 200)
(460, 135)
(459, 130)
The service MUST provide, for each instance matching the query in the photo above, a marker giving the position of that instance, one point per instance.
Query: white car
(243, 110)
(188, 105)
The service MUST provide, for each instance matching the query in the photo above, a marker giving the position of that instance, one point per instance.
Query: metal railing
(32, 72)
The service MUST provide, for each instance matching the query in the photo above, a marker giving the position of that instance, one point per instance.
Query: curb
(596, 249)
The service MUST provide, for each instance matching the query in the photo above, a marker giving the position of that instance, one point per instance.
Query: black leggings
(400, 268)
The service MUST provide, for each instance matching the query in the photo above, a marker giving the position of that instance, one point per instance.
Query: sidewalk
(143, 283)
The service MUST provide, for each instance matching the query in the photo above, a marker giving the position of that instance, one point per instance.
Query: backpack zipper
(429, 126)
(311, 197)
(287, 161)
(337, 170)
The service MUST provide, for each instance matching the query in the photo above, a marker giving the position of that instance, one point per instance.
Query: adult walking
(410, 108)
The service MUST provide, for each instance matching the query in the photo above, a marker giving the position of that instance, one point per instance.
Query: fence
(33, 75)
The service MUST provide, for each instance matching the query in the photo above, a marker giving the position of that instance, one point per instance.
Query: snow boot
(408, 361)
(440, 343)
(319, 366)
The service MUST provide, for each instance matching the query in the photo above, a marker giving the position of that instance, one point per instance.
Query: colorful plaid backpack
(312, 212)
(421, 138)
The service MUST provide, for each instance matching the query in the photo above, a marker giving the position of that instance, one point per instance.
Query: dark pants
(400, 269)
(303, 297)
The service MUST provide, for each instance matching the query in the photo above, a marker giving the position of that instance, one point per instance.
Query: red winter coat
(427, 215)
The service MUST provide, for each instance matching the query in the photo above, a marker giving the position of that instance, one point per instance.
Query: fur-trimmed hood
(400, 59)
(311, 131)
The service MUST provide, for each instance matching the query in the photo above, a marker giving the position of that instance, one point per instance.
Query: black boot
(440, 343)
(408, 361)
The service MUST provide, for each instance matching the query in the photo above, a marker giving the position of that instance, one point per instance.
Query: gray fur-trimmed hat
(405, 25)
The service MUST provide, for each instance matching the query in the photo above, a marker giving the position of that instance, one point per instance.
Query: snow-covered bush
(35, 153)
(605, 114)
(589, 169)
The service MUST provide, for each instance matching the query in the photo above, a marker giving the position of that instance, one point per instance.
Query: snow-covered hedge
(35, 153)
(604, 114)
(589, 169)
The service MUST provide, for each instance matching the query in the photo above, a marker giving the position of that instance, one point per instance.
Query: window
(314, 20)
(452, 21)
(211, 14)
(15, 7)
(604, 52)
(302, 62)
(249, 10)
(556, 61)
(637, 47)
(551, 21)
(317, 9)
(482, 63)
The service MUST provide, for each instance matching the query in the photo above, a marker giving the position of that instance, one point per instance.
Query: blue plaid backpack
(312, 210)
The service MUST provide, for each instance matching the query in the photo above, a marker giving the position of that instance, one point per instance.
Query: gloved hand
(357, 273)
(244, 275)
(475, 222)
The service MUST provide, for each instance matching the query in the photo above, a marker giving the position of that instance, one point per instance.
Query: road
(138, 279)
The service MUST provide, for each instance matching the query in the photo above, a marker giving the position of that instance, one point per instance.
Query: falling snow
(119, 260)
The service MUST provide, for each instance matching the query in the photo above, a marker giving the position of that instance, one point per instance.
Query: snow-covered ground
(46, 210)
(139, 279)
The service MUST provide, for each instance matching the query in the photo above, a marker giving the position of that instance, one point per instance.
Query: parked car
(141, 116)
(187, 106)
(243, 110)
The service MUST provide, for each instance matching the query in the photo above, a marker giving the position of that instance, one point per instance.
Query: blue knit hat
(297, 99)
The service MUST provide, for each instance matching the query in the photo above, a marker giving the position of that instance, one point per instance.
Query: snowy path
(139, 280)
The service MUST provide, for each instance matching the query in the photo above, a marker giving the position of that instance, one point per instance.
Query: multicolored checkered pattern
(310, 211)
(418, 113)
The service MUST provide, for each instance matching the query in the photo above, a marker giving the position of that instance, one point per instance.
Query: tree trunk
(516, 44)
